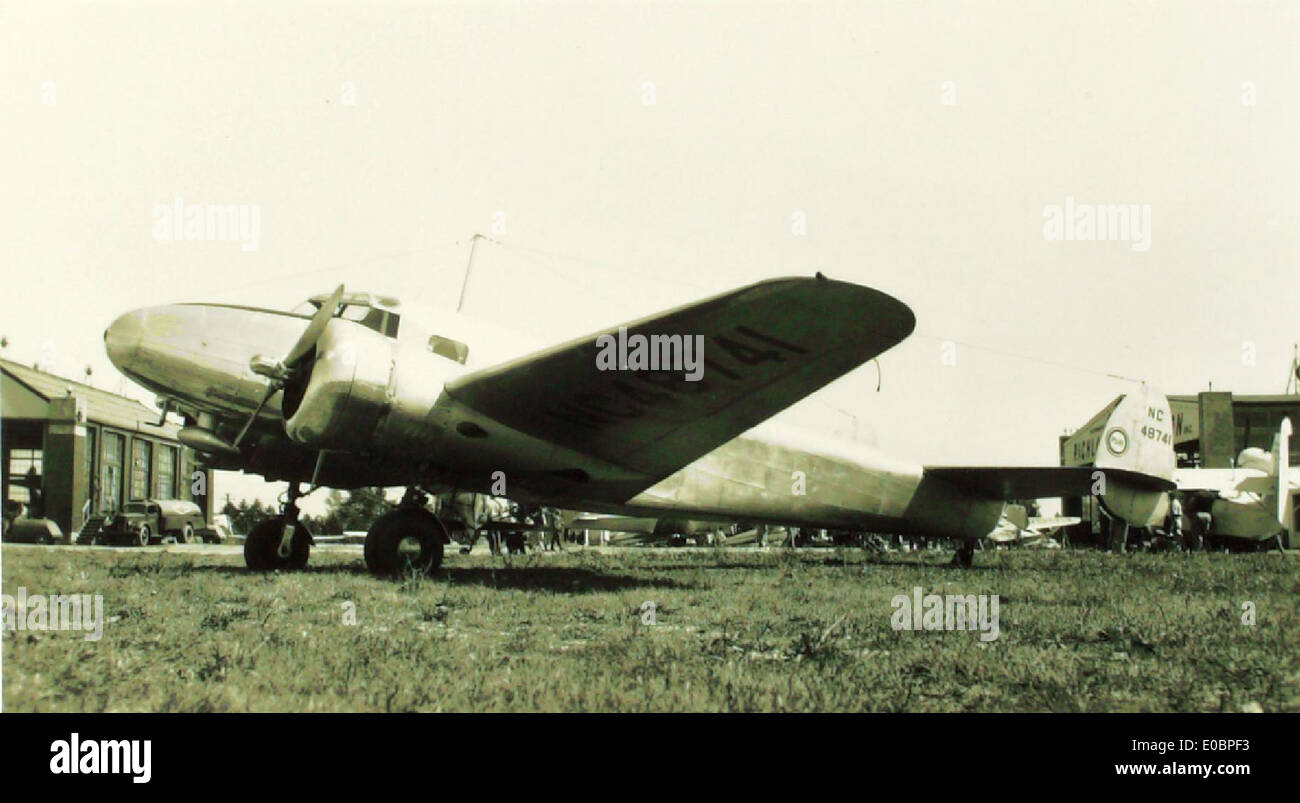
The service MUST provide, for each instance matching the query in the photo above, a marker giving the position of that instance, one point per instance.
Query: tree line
(344, 510)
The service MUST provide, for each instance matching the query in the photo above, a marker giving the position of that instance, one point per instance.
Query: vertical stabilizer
(1137, 437)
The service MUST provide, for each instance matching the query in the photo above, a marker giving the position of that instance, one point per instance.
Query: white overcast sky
(615, 207)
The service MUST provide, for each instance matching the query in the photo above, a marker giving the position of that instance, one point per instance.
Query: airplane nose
(122, 339)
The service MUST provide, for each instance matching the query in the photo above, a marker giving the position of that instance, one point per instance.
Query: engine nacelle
(344, 396)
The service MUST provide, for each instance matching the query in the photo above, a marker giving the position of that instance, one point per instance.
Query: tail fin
(1137, 437)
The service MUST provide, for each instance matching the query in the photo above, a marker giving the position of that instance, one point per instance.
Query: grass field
(735, 630)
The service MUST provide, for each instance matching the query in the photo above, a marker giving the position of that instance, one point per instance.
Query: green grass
(736, 630)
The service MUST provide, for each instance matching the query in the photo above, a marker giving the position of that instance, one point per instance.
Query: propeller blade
(319, 321)
(271, 390)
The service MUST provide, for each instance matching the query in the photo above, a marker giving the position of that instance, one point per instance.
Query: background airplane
(1017, 528)
(1253, 503)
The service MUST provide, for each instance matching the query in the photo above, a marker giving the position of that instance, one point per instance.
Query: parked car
(32, 531)
(143, 521)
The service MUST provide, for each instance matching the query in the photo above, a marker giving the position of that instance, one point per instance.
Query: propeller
(279, 372)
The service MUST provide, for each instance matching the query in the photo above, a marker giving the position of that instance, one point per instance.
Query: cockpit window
(451, 349)
(383, 321)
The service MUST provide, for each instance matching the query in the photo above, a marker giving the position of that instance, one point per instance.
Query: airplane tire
(262, 547)
(404, 542)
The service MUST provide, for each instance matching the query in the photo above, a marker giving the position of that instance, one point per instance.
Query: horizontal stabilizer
(1039, 483)
(1132, 455)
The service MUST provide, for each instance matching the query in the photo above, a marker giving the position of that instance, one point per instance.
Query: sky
(629, 157)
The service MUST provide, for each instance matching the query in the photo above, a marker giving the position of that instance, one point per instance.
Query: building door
(111, 472)
(92, 480)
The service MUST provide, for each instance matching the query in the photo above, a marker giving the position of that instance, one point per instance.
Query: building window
(1256, 425)
(140, 454)
(165, 481)
(25, 471)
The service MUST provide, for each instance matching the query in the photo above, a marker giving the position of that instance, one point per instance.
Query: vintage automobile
(142, 521)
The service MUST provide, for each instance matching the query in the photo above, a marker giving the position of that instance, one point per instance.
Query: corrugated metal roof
(102, 407)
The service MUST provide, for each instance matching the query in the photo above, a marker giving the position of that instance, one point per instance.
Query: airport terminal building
(73, 453)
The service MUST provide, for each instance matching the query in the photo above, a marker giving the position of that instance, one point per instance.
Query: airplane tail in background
(1281, 457)
(1136, 443)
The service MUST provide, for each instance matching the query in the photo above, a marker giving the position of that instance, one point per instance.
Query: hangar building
(73, 453)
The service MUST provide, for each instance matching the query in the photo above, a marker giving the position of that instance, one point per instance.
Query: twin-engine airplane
(345, 393)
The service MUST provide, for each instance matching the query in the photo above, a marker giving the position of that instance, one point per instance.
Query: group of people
(1192, 536)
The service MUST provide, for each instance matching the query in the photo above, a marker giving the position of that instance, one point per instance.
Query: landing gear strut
(1117, 540)
(281, 543)
(407, 540)
(964, 557)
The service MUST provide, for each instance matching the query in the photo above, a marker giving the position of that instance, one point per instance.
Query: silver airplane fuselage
(379, 409)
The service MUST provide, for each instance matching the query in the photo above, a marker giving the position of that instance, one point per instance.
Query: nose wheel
(280, 543)
(262, 547)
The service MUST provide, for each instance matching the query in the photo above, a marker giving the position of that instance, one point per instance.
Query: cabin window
(451, 349)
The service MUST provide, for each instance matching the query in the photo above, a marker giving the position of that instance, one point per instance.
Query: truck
(143, 521)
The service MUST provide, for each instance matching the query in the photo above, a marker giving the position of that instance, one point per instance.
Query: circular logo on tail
(1117, 441)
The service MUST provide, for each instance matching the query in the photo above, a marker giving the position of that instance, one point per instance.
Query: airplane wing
(764, 347)
(620, 524)
(1049, 525)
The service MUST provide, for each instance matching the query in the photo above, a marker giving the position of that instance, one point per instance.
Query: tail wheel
(262, 547)
(404, 542)
(143, 536)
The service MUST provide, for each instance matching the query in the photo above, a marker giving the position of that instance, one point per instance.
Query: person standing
(1175, 528)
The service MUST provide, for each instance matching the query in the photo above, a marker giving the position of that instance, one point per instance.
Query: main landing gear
(964, 557)
(408, 540)
(280, 543)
